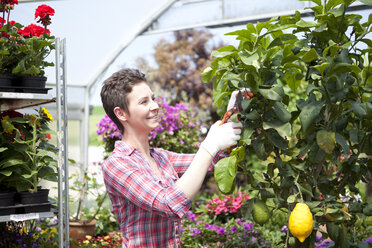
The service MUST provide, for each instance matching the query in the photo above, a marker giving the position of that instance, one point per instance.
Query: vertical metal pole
(223, 9)
(86, 129)
(60, 146)
(61, 92)
(65, 142)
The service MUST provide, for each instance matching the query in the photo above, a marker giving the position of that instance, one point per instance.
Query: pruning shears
(235, 104)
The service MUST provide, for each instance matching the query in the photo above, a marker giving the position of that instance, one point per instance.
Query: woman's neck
(140, 142)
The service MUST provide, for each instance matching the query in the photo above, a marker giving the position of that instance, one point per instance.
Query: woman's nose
(154, 106)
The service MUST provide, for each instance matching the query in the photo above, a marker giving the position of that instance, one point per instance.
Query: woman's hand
(221, 137)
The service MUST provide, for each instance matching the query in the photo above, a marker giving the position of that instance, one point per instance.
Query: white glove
(221, 137)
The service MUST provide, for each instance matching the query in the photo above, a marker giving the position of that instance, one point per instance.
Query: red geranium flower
(32, 30)
(43, 11)
(11, 23)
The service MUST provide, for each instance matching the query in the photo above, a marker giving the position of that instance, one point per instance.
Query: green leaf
(281, 112)
(321, 67)
(208, 74)
(292, 199)
(326, 140)
(306, 188)
(303, 24)
(253, 115)
(275, 93)
(218, 54)
(284, 129)
(246, 135)
(225, 174)
(342, 142)
(358, 110)
(6, 173)
(310, 55)
(239, 153)
(309, 113)
(249, 59)
(277, 140)
(34, 172)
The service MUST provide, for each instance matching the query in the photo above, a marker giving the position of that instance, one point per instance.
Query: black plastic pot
(26, 197)
(7, 198)
(6, 80)
(36, 82)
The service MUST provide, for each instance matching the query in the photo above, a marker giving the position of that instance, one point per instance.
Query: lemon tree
(310, 120)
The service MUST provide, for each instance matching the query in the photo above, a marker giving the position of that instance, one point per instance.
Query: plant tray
(26, 208)
(24, 89)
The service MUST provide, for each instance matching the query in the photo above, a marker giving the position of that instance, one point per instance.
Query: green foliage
(32, 54)
(28, 155)
(310, 120)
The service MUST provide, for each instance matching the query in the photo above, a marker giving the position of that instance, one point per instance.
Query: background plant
(177, 71)
(34, 233)
(27, 155)
(316, 148)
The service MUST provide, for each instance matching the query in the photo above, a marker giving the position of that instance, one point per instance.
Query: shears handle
(226, 117)
(247, 95)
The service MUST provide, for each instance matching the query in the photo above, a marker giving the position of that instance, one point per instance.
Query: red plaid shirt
(149, 209)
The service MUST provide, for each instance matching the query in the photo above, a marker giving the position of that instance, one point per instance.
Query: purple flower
(284, 228)
(324, 244)
(195, 231)
(220, 230)
(239, 222)
(233, 229)
(368, 240)
(318, 239)
(211, 227)
(248, 226)
(108, 129)
(191, 216)
(182, 142)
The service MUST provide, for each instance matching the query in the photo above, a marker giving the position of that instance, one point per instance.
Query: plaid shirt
(149, 209)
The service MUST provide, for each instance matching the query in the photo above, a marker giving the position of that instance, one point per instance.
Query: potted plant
(28, 156)
(83, 221)
(24, 49)
(8, 43)
(34, 44)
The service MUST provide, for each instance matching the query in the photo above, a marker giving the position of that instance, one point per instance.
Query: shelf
(13, 100)
(29, 216)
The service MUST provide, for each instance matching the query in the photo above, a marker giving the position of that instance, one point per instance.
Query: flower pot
(26, 197)
(6, 80)
(37, 82)
(80, 229)
(7, 198)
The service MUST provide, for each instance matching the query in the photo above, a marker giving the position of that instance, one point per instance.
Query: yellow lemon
(301, 222)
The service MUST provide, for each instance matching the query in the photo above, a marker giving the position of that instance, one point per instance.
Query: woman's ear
(120, 114)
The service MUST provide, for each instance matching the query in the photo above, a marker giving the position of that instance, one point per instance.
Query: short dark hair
(115, 92)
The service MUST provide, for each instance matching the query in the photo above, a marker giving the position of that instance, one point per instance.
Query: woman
(151, 188)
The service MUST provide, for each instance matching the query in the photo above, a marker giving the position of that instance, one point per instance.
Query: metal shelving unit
(13, 101)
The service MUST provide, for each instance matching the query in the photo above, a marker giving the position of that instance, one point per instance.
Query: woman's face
(143, 110)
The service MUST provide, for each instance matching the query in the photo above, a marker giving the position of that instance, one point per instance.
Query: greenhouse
(186, 123)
